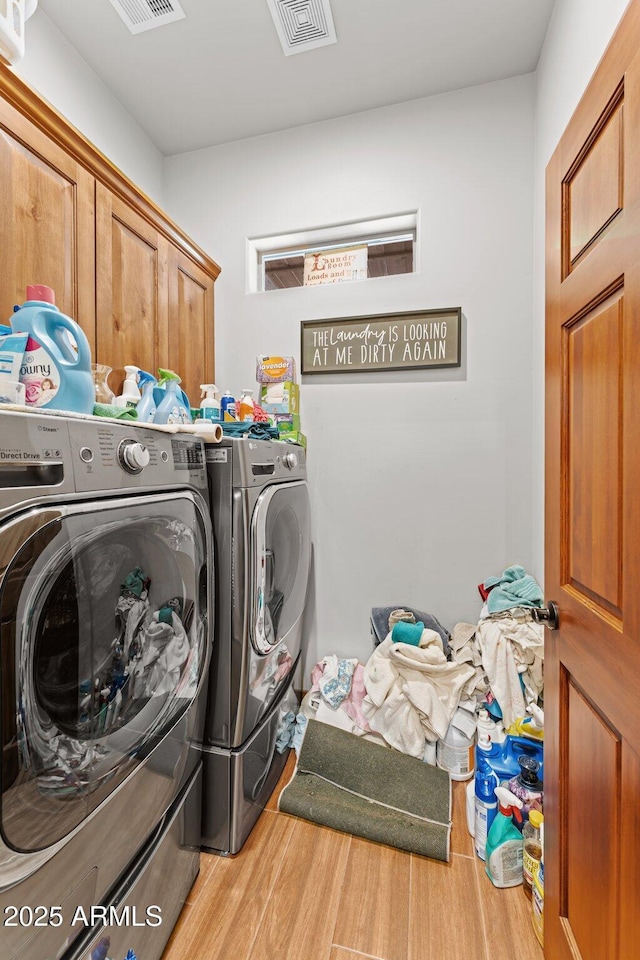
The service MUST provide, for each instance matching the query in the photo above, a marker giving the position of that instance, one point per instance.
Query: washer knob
(290, 460)
(133, 456)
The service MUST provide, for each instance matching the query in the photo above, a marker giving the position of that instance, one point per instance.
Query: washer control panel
(117, 455)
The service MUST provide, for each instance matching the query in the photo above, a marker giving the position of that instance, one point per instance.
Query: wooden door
(592, 670)
(131, 288)
(46, 221)
(190, 347)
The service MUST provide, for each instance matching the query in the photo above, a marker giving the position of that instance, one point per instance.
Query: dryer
(105, 593)
(259, 504)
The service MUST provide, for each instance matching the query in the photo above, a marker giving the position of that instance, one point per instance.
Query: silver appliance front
(261, 521)
(104, 647)
(238, 783)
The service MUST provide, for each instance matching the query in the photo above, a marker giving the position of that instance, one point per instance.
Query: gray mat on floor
(359, 787)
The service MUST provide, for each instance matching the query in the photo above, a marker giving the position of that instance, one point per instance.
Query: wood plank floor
(298, 891)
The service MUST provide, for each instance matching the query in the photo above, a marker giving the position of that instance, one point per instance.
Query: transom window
(343, 253)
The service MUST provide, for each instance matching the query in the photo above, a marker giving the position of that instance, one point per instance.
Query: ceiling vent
(142, 15)
(302, 24)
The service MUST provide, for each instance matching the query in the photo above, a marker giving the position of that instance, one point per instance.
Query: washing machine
(259, 504)
(105, 603)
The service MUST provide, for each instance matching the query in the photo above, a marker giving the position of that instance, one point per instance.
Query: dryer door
(280, 560)
(103, 626)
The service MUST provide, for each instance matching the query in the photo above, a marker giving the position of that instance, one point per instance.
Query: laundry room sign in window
(391, 341)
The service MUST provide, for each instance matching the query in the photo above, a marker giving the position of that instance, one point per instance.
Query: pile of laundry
(420, 678)
(149, 657)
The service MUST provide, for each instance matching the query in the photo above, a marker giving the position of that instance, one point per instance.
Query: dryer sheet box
(280, 398)
(275, 369)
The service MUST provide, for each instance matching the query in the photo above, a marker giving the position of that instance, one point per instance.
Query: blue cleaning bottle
(160, 389)
(56, 375)
(146, 408)
(172, 408)
(486, 804)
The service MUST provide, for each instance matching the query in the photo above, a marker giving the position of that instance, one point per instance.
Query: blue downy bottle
(55, 375)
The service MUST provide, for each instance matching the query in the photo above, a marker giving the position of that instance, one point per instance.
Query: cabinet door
(131, 288)
(190, 349)
(46, 221)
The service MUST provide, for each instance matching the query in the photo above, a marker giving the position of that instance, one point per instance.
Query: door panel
(591, 528)
(592, 663)
(131, 288)
(189, 347)
(46, 222)
(593, 771)
(594, 188)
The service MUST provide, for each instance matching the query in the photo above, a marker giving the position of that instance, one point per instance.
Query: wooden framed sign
(386, 341)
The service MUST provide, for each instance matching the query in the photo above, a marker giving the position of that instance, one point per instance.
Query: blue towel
(514, 588)
(257, 431)
(405, 632)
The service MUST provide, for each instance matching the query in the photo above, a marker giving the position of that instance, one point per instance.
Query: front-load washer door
(280, 560)
(103, 632)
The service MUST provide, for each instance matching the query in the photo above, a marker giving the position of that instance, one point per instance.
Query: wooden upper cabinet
(131, 288)
(46, 221)
(138, 286)
(190, 346)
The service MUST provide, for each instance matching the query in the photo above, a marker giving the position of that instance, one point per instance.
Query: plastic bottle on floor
(532, 850)
(485, 805)
(493, 729)
(537, 894)
(455, 753)
(504, 843)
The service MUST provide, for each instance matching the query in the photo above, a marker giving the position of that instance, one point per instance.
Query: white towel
(412, 692)
(512, 647)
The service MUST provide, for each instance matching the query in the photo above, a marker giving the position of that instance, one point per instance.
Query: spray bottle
(172, 409)
(146, 408)
(493, 729)
(210, 405)
(245, 406)
(504, 843)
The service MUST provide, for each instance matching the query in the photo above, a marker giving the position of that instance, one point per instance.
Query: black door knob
(549, 615)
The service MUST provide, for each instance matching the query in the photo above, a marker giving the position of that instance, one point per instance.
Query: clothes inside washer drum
(358, 787)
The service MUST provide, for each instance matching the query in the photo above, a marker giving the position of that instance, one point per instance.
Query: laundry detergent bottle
(56, 367)
(485, 805)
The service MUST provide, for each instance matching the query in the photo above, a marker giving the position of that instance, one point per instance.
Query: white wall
(59, 74)
(578, 34)
(420, 483)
